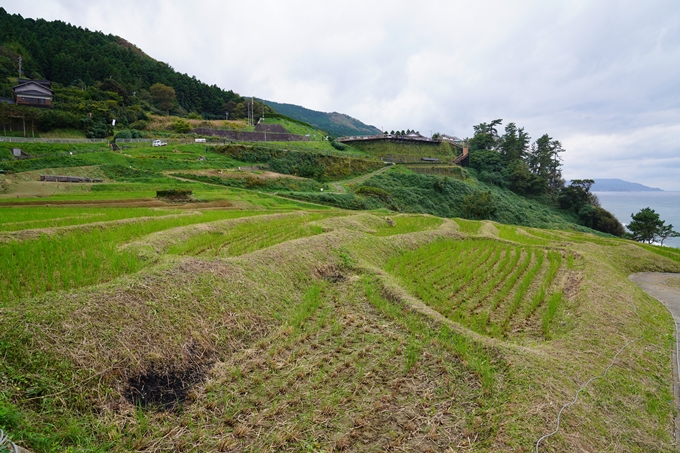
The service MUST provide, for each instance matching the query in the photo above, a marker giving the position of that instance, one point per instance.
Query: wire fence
(6, 444)
(51, 140)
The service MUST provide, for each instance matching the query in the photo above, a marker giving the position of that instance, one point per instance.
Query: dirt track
(666, 289)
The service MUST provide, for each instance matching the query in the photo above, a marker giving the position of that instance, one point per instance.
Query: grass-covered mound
(255, 183)
(319, 166)
(227, 330)
(408, 151)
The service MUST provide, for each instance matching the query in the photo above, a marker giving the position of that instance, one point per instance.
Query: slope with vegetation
(534, 170)
(264, 328)
(97, 78)
(336, 124)
(263, 311)
(245, 320)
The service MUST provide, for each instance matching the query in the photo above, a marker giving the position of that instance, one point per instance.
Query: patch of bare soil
(165, 388)
(572, 285)
(331, 273)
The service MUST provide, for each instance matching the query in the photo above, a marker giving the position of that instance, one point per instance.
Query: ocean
(623, 204)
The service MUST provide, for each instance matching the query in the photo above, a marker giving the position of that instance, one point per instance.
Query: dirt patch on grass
(572, 284)
(164, 388)
(331, 273)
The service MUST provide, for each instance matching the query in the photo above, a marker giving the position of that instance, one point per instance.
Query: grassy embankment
(409, 151)
(326, 331)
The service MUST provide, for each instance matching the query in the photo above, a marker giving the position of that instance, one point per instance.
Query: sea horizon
(665, 203)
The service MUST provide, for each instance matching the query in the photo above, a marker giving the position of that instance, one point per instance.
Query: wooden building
(34, 93)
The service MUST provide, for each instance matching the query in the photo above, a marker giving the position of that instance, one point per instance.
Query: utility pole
(19, 66)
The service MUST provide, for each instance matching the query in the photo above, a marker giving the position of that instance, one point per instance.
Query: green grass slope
(402, 190)
(261, 330)
(408, 151)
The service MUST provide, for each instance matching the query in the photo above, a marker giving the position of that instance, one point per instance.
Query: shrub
(174, 194)
(180, 126)
(58, 119)
(375, 192)
(122, 134)
(493, 177)
(125, 134)
(337, 145)
(139, 125)
(249, 182)
(194, 116)
(96, 129)
(479, 205)
(342, 200)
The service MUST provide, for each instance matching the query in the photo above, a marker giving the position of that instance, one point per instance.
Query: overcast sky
(602, 76)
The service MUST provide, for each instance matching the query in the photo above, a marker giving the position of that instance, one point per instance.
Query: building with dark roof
(34, 93)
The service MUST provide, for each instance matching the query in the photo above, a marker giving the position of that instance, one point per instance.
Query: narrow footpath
(339, 185)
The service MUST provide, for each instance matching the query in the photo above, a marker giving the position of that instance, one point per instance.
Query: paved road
(666, 289)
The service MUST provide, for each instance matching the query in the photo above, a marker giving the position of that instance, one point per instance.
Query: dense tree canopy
(77, 57)
(510, 160)
(535, 169)
(163, 96)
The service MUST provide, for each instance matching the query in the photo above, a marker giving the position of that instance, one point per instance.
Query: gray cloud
(599, 75)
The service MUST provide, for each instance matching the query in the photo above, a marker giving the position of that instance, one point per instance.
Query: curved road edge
(657, 285)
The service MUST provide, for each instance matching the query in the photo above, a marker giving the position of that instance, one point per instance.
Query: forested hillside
(534, 170)
(336, 124)
(78, 58)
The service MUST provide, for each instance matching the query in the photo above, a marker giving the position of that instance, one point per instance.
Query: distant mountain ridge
(619, 185)
(336, 124)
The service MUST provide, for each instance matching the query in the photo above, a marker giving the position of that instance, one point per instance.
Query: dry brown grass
(164, 123)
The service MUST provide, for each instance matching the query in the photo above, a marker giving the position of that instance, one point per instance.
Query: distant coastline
(619, 185)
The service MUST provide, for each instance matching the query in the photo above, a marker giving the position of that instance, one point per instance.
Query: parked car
(159, 143)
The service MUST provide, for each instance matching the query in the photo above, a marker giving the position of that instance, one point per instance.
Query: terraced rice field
(408, 224)
(491, 287)
(73, 258)
(247, 237)
(21, 218)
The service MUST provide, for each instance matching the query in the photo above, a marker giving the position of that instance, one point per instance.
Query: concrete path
(666, 289)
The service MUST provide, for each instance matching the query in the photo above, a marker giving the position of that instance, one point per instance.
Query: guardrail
(51, 140)
(134, 140)
(356, 138)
